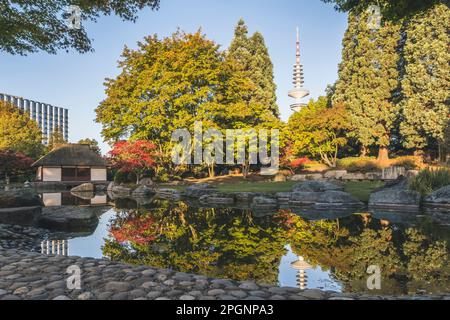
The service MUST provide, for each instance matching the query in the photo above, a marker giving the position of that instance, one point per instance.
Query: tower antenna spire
(298, 92)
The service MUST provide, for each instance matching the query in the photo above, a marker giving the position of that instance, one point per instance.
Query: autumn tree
(426, 81)
(133, 156)
(18, 132)
(30, 26)
(13, 164)
(319, 131)
(369, 80)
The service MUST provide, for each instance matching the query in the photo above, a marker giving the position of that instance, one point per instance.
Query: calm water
(229, 243)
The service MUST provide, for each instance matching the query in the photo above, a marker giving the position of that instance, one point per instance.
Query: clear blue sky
(76, 81)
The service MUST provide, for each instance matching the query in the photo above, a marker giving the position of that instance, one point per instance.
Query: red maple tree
(137, 230)
(133, 156)
(14, 163)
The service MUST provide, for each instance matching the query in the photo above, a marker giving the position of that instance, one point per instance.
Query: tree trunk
(245, 169)
(363, 151)
(383, 154)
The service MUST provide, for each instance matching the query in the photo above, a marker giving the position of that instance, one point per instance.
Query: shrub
(358, 164)
(297, 165)
(122, 177)
(430, 180)
(408, 162)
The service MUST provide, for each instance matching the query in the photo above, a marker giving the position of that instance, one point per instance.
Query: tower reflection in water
(55, 247)
(301, 266)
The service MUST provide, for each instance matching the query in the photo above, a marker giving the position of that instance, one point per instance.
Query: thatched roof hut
(71, 162)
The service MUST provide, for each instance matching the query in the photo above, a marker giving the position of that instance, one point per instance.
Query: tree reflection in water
(235, 244)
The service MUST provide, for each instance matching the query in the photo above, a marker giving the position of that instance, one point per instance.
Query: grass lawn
(362, 189)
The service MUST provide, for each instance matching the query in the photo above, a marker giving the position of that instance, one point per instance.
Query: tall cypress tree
(369, 80)
(425, 85)
(253, 55)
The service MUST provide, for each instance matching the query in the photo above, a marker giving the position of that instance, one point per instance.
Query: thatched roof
(71, 155)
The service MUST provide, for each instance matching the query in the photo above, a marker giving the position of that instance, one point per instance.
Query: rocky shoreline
(33, 276)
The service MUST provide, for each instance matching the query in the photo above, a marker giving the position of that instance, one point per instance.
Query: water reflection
(58, 199)
(286, 248)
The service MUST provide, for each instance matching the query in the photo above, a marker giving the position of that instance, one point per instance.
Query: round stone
(187, 297)
(249, 286)
(85, 296)
(62, 298)
(216, 292)
(116, 286)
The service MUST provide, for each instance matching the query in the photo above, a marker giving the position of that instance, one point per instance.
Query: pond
(280, 247)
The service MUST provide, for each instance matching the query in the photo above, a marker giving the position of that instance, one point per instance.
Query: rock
(314, 294)
(264, 202)
(116, 286)
(198, 190)
(314, 176)
(216, 292)
(298, 177)
(169, 194)
(316, 186)
(85, 296)
(62, 298)
(393, 173)
(396, 197)
(142, 191)
(70, 218)
(324, 199)
(110, 187)
(147, 182)
(283, 197)
(20, 199)
(335, 174)
(26, 216)
(251, 286)
(354, 176)
(439, 198)
(373, 175)
(280, 178)
(85, 187)
(120, 191)
(187, 297)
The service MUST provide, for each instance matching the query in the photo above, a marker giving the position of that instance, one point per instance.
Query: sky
(76, 81)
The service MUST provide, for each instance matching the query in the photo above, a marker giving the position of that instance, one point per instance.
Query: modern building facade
(299, 92)
(48, 117)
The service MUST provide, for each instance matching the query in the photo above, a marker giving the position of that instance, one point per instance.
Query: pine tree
(253, 55)
(368, 81)
(425, 85)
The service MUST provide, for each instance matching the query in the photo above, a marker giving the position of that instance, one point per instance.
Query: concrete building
(71, 164)
(48, 117)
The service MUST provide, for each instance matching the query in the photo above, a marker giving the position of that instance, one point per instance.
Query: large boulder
(20, 198)
(25, 216)
(142, 192)
(317, 186)
(439, 198)
(198, 190)
(85, 187)
(324, 199)
(335, 174)
(396, 196)
(70, 218)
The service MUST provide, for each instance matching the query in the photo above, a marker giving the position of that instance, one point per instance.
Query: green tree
(368, 81)
(164, 85)
(93, 144)
(393, 9)
(56, 137)
(253, 56)
(18, 132)
(319, 131)
(29, 26)
(425, 95)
